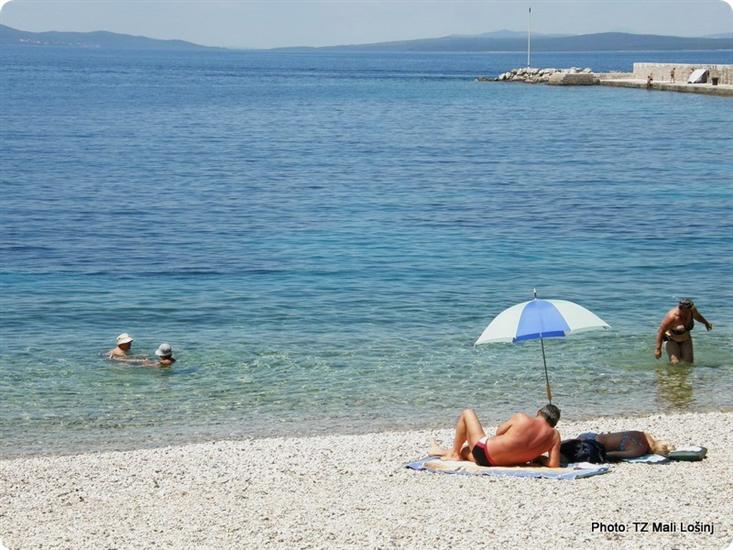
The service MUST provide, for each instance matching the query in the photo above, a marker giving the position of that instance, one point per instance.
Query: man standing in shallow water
(519, 440)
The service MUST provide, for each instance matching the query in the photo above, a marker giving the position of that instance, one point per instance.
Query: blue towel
(572, 471)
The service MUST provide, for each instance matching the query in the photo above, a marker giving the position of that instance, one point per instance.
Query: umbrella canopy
(539, 319)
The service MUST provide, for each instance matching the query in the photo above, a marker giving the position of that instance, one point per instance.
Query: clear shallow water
(323, 236)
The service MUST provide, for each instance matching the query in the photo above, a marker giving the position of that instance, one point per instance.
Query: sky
(277, 23)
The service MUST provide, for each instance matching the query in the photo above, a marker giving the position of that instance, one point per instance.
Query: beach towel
(690, 453)
(572, 471)
(647, 459)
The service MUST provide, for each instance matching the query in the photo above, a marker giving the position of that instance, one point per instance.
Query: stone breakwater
(652, 76)
(534, 75)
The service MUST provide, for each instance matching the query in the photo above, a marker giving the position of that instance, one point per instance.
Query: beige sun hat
(164, 350)
(124, 338)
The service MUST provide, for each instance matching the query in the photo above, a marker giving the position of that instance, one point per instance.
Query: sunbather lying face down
(630, 444)
(519, 440)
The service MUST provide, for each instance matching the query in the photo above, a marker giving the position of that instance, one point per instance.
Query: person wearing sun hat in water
(122, 351)
(165, 356)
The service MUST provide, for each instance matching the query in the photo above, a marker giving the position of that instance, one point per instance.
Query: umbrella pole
(547, 379)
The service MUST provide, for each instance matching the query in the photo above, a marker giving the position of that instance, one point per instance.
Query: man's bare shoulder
(521, 417)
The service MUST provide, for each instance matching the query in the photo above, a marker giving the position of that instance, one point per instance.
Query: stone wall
(573, 79)
(615, 76)
(661, 71)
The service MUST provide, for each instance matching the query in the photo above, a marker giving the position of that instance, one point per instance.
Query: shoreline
(353, 490)
(143, 442)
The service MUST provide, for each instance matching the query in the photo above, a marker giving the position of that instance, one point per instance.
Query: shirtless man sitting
(519, 440)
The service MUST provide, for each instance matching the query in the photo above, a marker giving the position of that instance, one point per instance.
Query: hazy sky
(272, 23)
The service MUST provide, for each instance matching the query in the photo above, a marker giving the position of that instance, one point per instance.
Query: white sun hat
(124, 338)
(164, 350)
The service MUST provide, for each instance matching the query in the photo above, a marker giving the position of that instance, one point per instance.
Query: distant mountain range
(504, 33)
(99, 39)
(503, 40)
(509, 41)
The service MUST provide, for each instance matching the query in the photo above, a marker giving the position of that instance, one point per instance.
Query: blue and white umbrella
(540, 319)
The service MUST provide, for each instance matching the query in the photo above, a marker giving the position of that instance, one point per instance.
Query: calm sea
(322, 237)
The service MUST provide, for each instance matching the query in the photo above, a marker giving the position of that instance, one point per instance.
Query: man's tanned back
(522, 439)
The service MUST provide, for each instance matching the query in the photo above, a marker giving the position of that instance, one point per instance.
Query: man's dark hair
(551, 414)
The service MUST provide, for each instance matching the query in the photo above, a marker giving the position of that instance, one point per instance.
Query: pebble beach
(354, 491)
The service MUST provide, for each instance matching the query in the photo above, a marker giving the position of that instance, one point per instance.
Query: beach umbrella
(539, 319)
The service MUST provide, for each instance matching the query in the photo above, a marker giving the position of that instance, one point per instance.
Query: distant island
(99, 39)
(498, 41)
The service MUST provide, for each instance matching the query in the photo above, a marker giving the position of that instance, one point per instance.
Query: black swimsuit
(685, 328)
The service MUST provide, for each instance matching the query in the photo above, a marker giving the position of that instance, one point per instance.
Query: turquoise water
(322, 237)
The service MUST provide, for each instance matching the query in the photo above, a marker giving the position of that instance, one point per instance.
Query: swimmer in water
(122, 351)
(165, 357)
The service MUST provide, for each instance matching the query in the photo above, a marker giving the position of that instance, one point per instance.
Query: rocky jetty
(534, 75)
